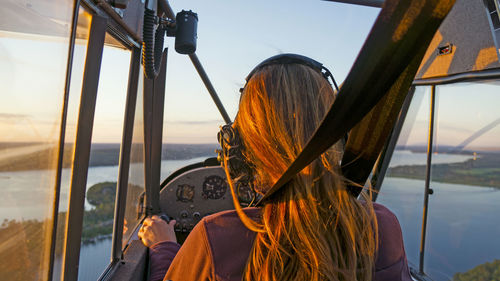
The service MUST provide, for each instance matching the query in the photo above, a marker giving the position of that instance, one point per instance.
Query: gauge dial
(185, 193)
(214, 187)
(245, 194)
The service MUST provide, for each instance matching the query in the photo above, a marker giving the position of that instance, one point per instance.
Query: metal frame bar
(490, 22)
(116, 25)
(497, 6)
(112, 14)
(157, 133)
(427, 177)
(461, 77)
(165, 7)
(211, 90)
(124, 164)
(381, 170)
(418, 275)
(147, 116)
(82, 148)
(154, 96)
(62, 135)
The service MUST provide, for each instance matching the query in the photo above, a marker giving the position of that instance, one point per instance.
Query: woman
(313, 229)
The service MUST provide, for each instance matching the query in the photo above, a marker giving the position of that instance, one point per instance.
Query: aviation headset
(240, 170)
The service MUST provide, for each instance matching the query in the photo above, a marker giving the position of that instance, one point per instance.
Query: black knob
(197, 215)
(165, 218)
(184, 214)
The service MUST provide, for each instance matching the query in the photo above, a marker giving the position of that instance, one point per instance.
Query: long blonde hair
(313, 229)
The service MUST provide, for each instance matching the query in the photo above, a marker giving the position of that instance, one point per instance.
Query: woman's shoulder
(230, 216)
(391, 246)
(229, 241)
(387, 222)
(227, 225)
(382, 212)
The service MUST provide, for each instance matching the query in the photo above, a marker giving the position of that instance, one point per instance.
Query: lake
(25, 197)
(463, 222)
(17, 203)
(463, 225)
(462, 229)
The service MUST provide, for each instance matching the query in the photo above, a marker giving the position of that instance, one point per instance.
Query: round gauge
(245, 193)
(185, 193)
(214, 187)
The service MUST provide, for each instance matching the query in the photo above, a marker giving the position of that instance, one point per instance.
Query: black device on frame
(231, 152)
(184, 28)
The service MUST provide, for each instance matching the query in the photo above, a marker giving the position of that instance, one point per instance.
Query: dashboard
(199, 192)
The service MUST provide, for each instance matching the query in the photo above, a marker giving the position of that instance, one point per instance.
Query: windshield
(233, 37)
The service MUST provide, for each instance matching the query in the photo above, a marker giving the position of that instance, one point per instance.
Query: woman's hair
(313, 229)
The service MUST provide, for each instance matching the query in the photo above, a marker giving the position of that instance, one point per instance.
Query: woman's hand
(155, 230)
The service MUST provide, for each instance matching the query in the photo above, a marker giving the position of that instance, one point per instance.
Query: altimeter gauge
(214, 187)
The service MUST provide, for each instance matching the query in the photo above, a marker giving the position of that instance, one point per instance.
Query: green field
(484, 171)
(489, 271)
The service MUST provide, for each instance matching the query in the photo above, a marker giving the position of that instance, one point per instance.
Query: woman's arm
(159, 237)
(161, 256)
(192, 261)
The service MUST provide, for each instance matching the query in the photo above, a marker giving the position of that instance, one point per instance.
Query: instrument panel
(197, 193)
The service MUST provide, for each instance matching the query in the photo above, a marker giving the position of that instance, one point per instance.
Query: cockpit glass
(102, 176)
(463, 221)
(79, 55)
(191, 120)
(403, 194)
(462, 225)
(136, 171)
(250, 32)
(34, 44)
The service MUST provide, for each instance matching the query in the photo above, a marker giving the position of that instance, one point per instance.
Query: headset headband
(294, 58)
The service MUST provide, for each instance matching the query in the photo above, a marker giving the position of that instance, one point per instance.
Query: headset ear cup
(231, 153)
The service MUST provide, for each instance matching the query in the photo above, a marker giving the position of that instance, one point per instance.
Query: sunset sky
(233, 37)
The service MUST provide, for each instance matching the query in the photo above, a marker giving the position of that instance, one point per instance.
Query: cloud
(453, 127)
(10, 116)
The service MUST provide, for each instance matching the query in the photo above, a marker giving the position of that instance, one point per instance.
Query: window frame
(83, 141)
(102, 23)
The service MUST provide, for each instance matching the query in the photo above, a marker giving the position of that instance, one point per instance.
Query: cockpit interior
(110, 110)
